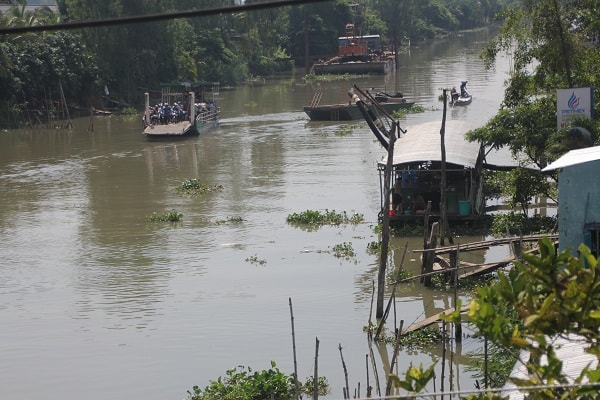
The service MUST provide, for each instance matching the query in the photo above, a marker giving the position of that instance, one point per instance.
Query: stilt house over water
(417, 172)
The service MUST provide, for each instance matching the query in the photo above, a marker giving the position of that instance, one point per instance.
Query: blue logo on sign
(573, 101)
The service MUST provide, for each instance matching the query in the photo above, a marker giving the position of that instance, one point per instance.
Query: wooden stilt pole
(368, 382)
(444, 229)
(297, 382)
(388, 387)
(428, 256)
(385, 235)
(457, 326)
(64, 103)
(316, 375)
(346, 389)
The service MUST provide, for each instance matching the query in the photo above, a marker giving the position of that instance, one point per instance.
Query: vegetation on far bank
(110, 67)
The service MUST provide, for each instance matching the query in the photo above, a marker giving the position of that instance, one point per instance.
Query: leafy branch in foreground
(551, 295)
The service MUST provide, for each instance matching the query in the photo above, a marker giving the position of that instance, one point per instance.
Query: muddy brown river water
(97, 303)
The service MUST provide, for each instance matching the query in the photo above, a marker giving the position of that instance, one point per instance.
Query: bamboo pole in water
(392, 296)
(346, 389)
(388, 387)
(316, 375)
(296, 381)
(368, 382)
(457, 326)
(385, 235)
(443, 357)
(375, 373)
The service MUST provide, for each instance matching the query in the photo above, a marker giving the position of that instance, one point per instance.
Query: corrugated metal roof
(570, 350)
(575, 157)
(423, 143)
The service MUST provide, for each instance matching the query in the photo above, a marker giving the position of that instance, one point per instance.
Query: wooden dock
(466, 269)
(431, 320)
(486, 244)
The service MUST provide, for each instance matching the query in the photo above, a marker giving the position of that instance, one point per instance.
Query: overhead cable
(154, 17)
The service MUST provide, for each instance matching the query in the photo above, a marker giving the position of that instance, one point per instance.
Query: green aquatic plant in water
(345, 130)
(230, 220)
(311, 78)
(419, 339)
(169, 216)
(344, 250)
(242, 383)
(192, 186)
(255, 260)
(403, 112)
(374, 247)
(327, 217)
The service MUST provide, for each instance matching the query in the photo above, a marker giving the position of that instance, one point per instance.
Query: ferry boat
(184, 109)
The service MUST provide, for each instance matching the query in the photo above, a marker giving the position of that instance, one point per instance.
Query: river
(98, 303)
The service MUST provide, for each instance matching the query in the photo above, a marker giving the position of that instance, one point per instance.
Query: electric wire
(154, 17)
(505, 391)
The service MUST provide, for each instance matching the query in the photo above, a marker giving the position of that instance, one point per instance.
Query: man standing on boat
(463, 89)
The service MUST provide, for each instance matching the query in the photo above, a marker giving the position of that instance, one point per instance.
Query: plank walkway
(487, 243)
(472, 269)
(431, 320)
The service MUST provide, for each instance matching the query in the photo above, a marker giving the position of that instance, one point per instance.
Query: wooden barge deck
(174, 129)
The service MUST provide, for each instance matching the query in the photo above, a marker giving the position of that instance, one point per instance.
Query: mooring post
(454, 268)
(458, 325)
(429, 256)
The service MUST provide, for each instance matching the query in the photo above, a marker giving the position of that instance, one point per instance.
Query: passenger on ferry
(175, 112)
(166, 114)
(419, 205)
(154, 117)
(397, 204)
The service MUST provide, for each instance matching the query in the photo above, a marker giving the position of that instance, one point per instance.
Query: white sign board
(573, 103)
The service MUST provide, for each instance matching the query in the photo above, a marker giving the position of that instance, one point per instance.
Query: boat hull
(462, 101)
(346, 112)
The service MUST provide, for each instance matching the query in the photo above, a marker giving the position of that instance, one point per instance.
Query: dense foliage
(110, 67)
(553, 45)
(552, 295)
(543, 298)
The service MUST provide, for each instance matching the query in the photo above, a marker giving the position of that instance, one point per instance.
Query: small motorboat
(461, 99)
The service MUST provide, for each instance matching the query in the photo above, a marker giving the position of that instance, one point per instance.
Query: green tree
(321, 24)
(261, 36)
(549, 46)
(35, 65)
